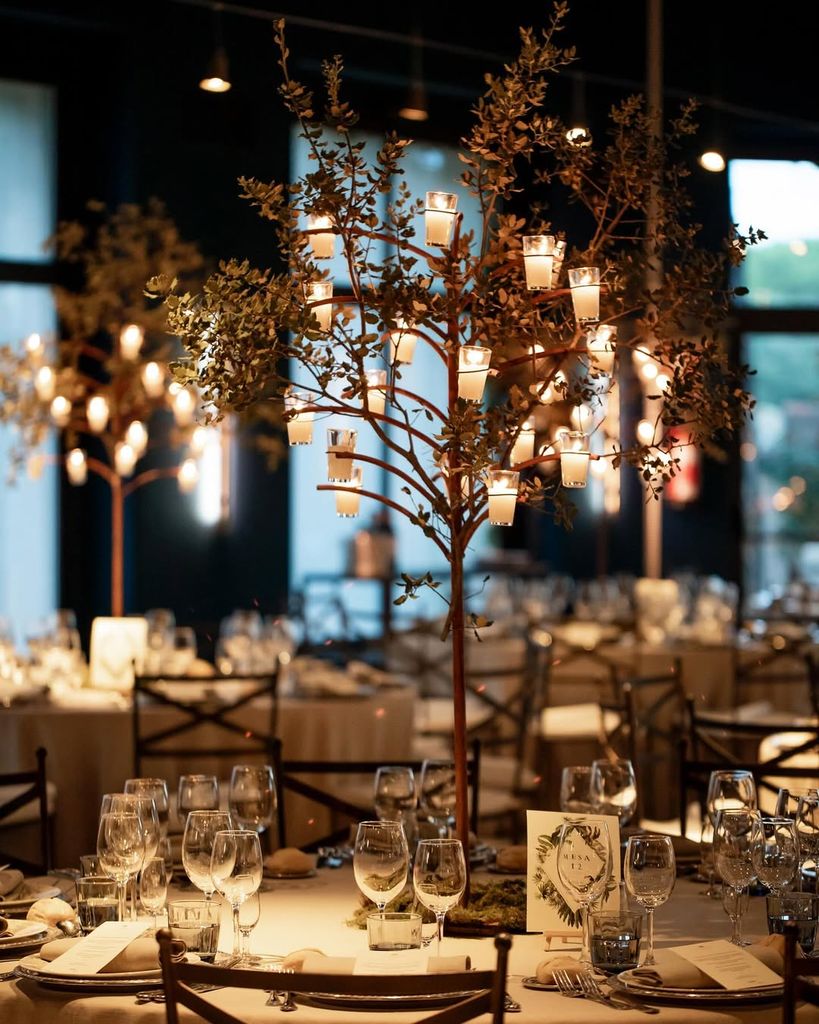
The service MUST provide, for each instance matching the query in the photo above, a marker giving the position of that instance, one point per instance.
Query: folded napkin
(546, 968)
(313, 961)
(10, 879)
(673, 971)
(140, 955)
(51, 911)
(4, 926)
(289, 861)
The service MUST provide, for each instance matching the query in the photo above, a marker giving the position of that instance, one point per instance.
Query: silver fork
(565, 984)
(592, 989)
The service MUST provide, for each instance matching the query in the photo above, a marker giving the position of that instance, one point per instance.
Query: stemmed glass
(153, 886)
(121, 850)
(380, 861)
(197, 846)
(236, 870)
(733, 843)
(807, 831)
(437, 794)
(395, 798)
(196, 793)
(575, 790)
(584, 865)
(156, 788)
(144, 806)
(729, 789)
(439, 878)
(252, 796)
(775, 852)
(249, 912)
(613, 789)
(651, 870)
(787, 800)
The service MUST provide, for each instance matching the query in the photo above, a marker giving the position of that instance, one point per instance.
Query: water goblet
(787, 800)
(807, 831)
(775, 852)
(651, 870)
(437, 794)
(252, 796)
(584, 868)
(729, 788)
(380, 861)
(439, 878)
(121, 850)
(156, 788)
(196, 793)
(153, 886)
(249, 913)
(197, 847)
(733, 843)
(236, 870)
(394, 793)
(575, 790)
(735, 902)
(613, 789)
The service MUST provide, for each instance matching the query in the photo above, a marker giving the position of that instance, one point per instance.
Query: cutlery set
(584, 986)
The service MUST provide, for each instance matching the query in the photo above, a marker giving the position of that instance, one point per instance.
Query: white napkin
(318, 963)
(673, 971)
(10, 880)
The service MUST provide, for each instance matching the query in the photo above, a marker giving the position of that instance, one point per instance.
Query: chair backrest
(798, 972)
(234, 722)
(292, 779)
(34, 789)
(780, 665)
(486, 988)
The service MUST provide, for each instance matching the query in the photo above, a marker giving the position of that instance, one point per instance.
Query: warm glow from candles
(184, 406)
(473, 366)
(34, 346)
(137, 437)
(299, 424)
(648, 371)
(402, 341)
(125, 458)
(600, 345)
(348, 502)
(130, 341)
(321, 292)
(585, 285)
(538, 258)
(524, 447)
(502, 486)
(199, 440)
(439, 217)
(60, 410)
(76, 467)
(97, 412)
(153, 380)
(574, 458)
(339, 470)
(323, 243)
(645, 432)
(376, 390)
(45, 383)
(188, 476)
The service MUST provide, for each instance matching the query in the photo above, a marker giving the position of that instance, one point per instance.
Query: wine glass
(196, 793)
(394, 793)
(121, 850)
(145, 807)
(584, 865)
(613, 789)
(380, 861)
(575, 790)
(734, 903)
(437, 794)
(787, 800)
(729, 788)
(733, 843)
(236, 870)
(153, 886)
(252, 796)
(156, 788)
(439, 878)
(249, 912)
(775, 852)
(651, 870)
(807, 831)
(197, 846)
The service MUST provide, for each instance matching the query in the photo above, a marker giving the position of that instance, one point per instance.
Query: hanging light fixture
(578, 133)
(217, 78)
(415, 109)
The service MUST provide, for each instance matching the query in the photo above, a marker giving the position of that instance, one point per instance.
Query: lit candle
(188, 476)
(45, 383)
(503, 496)
(299, 423)
(137, 437)
(473, 366)
(439, 217)
(348, 502)
(125, 458)
(552, 392)
(76, 467)
(60, 410)
(582, 418)
(184, 406)
(130, 341)
(97, 412)
(600, 345)
(524, 447)
(321, 292)
(645, 432)
(557, 265)
(574, 458)
(323, 243)
(199, 440)
(585, 285)
(376, 390)
(153, 380)
(402, 341)
(339, 470)
(538, 257)
(648, 372)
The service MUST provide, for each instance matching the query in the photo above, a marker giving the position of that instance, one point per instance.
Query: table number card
(549, 906)
(116, 644)
(729, 965)
(91, 954)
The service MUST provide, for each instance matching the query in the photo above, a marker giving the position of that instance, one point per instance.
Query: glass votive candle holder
(574, 458)
(794, 908)
(502, 485)
(321, 292)
(322, 237)
(299, 423)
(339, 470)
(439, 217)
(585, 285)
(600, 345)
(376, 390)
(196, 923)
(538, 259)
(614, 940)
(524, 447)
(349, 502)
(473, 367)
(394, 931)
(97, 901)
(402, 341)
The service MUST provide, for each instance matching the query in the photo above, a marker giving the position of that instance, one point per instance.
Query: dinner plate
(707, 997)
(539, 986)
(430, 1000)
(28, 893)
(22, 938)
(32, 967)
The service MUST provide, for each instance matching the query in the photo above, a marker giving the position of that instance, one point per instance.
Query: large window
(781, 448)
(28, 509)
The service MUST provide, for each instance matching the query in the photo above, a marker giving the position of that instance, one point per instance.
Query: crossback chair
(799, 972)
(292, 779)
(784, 664)
(712, 742)
(486, 988)
(18, 790)
(181, 735)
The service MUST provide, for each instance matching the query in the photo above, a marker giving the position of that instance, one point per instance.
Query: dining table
(314, 912)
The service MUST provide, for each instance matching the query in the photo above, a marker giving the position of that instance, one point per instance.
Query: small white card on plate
(550, 907)
(729, 965)
(391, 961)
(91, 954)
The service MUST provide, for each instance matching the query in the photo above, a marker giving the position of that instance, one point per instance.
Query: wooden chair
(18, 792)
(292, 779)
(784, 664)
(181, 735)
(798, 974)
(487, 988)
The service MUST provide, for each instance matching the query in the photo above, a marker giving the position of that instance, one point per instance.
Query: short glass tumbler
(97, 901)
(196, 923)
(614, 940)
(797, 908)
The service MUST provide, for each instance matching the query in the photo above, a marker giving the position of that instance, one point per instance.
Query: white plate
(34, 968)
(12, 947)
(23, 929)
(30, 891)
(706, 997)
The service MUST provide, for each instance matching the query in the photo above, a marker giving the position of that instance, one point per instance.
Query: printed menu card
(729, 965)
(91, 954)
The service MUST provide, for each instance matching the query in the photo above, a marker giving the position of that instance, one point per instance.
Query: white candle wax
(600, 347)
(153, 380)
(76, 467)
(96, 412)
(184, 405)
(524, 447)
(300, 429)
(574, 468)
(471, 384)
(502, 507)
(586, 299)
(347, 504)
(45, 383)
(538, 271)
(124, 459)
(130, 341)
(402, 343)
(60, 409)
(323, 243)
(339, 470)
(377, 400)
(188, 476)
(438, 225)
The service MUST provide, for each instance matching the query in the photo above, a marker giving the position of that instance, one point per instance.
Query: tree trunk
(459, 701)
(117, 549)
